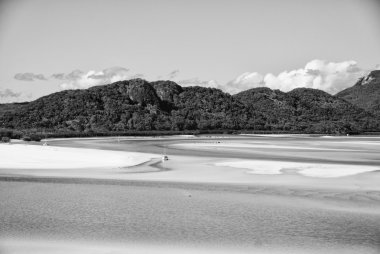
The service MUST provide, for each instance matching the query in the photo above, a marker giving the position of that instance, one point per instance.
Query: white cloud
(198, 82)
(80, 80)
(331, 77)
(327, 76)
(243, 82)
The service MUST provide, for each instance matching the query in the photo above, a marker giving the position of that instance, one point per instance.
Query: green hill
(365, 93)
(138, 105)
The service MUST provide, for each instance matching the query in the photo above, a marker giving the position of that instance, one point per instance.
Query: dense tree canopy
(137, 105)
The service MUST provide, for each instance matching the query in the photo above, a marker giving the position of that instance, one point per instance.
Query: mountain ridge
(365, 93)
(139, 105)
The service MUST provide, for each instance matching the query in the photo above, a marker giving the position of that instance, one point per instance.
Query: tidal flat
(192, 204)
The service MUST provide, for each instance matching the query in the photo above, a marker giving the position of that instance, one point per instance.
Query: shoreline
(236, 160)
(200, 136)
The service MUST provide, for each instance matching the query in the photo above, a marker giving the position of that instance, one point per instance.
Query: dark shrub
(26, 138)
(35, 137)
(5, 139)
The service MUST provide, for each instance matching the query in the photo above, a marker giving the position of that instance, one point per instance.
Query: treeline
(305, 110)
(6, 134)
(137, 107)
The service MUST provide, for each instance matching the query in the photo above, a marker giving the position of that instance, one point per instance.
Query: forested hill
(365, 93)
(307, 110)
(137, 105)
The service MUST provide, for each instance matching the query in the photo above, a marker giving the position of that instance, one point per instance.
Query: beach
(215, 194)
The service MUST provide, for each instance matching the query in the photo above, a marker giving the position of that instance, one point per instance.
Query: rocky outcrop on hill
(365, 93)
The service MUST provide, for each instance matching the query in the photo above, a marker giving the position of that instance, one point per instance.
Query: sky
(51, 45)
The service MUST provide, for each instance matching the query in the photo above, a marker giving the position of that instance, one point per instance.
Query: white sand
(255, 167)
(39, 246)
(232, 145)
(306, 169)
(277, 135)
(120, 138)
(51, 157)
(52, 161)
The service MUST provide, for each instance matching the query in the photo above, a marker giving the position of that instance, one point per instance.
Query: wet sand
(193, 206)
(190, 215)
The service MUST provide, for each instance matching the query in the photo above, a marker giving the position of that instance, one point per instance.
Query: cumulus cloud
(28, 76)
(327, 76)
(78, 79)
(110, 74)
(244, 81)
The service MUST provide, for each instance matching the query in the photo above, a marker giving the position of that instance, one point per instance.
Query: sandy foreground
(218, 194)
(37, 160)
(24, 156)
(37, 246)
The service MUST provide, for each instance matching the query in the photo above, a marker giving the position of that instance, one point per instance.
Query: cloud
(173, 74)
(78, 79)
(198, 82)
(244, 81)
(59, 76)
(138, 75)
(192, 82)
(114, 73)
(29, 76)
(327, 76)
(76, 74)
(8, 93)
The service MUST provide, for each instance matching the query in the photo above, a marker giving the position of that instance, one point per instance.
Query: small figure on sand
(164, 156)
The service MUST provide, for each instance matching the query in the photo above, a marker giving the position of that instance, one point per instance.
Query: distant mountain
(365, 93)
(131, 105)
(306, 110)
(138, 105)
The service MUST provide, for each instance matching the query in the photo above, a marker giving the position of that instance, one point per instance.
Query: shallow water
(286, 213)
(159, 215)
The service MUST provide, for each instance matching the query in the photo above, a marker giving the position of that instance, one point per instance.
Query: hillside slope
(306, 110)
(138, 105)
(365, 93)
(130, 105)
